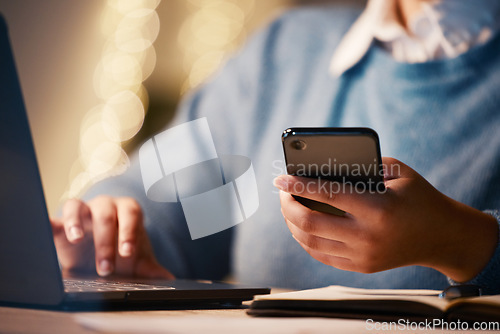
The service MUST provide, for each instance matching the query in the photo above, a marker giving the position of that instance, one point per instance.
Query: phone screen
(348, 157)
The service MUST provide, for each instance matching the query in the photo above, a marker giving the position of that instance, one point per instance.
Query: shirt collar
(443, 29)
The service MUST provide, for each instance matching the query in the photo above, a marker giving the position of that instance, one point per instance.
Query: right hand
(105, 235)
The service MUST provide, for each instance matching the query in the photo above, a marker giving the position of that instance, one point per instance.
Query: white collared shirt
(442, 29)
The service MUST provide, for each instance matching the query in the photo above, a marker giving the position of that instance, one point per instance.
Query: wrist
(469, 244)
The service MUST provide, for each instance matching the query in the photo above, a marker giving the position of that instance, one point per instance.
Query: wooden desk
(19, 320)
(16, 320)
(229, 321)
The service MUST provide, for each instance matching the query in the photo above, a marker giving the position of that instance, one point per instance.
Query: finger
(316, 223)
(395, 169)
(130, 222)
(333, 261)
(105, 227)
(57, 225)
(75, 214)
(322, 245)
(60, 238)
(341, 195)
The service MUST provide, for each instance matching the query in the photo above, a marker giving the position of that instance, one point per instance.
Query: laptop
(30, 273)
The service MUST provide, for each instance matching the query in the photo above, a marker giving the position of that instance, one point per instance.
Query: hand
(105, 235)
(411, 223)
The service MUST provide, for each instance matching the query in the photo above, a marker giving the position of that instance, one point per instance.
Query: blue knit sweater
(441, 118)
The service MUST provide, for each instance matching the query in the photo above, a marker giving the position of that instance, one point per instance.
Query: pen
(463, 290)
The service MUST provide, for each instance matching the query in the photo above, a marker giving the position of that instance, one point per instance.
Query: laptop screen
(30, 271)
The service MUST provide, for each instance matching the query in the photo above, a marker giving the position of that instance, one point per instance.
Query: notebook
(455, 303)
(30, 274)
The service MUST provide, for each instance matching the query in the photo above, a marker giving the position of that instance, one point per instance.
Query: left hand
(411, 223)
(105, 235)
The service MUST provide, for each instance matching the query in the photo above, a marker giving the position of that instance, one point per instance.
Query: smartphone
(348, 157)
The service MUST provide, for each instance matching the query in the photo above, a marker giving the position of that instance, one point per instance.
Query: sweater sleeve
(489, 278)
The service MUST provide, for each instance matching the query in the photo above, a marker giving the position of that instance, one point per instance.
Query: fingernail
(280, 183)
(75, 233)
(105, 268)
(127, 249)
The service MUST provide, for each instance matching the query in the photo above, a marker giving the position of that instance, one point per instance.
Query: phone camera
(299, 144)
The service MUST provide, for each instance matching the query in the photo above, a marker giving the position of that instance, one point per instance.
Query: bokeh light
(128, 58)
(122, 116)
(212, 29)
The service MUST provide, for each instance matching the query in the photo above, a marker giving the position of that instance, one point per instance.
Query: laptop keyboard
(74, 285)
